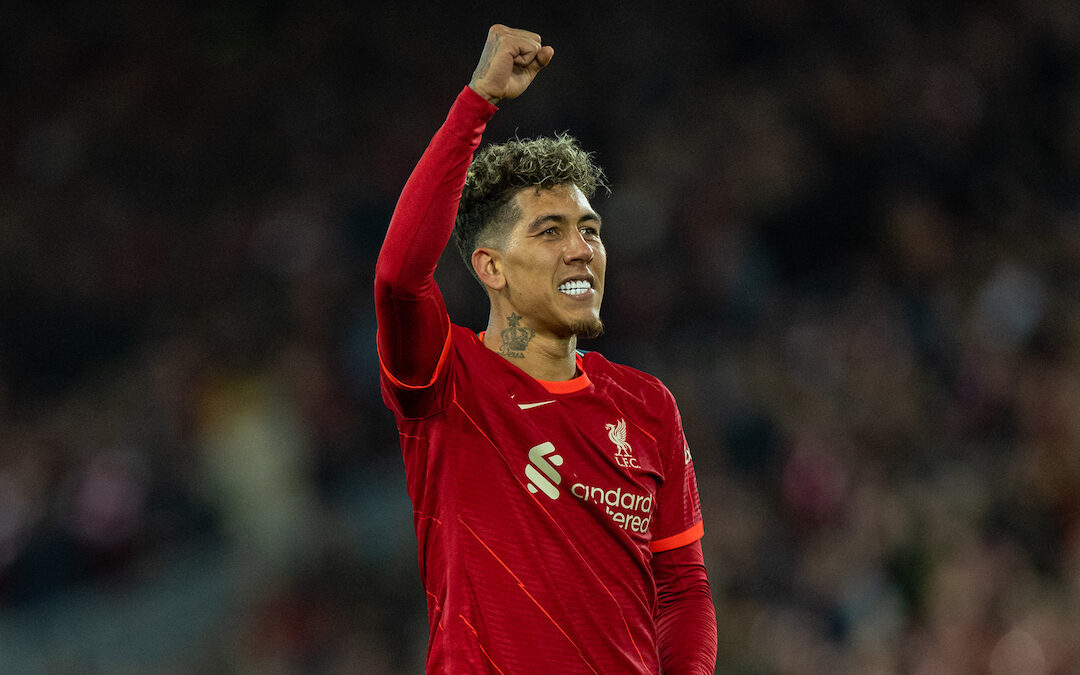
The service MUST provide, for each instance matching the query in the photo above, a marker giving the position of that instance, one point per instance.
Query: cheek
(600, 262)
(526, 278)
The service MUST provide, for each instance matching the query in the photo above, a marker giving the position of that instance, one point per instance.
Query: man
(555, 501)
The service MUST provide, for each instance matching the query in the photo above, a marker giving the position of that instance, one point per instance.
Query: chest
(575, 453)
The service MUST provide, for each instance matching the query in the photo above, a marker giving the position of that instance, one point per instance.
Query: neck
(544, 357)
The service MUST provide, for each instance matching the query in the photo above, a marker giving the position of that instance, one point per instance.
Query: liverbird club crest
(624, 457)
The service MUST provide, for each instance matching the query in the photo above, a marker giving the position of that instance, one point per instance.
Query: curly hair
(500, 171)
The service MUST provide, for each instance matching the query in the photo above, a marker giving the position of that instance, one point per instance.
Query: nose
(578, 248)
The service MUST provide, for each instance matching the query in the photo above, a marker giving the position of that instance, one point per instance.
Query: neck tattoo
(515, 338)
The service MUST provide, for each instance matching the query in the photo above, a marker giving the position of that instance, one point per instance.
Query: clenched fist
(510, 61)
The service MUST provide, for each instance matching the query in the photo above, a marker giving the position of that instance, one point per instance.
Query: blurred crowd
(845, 234)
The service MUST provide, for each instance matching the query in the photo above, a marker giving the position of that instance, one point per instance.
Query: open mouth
(575, 287)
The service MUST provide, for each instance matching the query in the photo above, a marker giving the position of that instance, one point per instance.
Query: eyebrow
(541, 221)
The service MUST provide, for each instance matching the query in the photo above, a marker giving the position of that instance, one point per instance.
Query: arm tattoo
(484, 65)
(515, 338)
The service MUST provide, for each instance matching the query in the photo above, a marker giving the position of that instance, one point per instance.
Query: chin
(591, 328)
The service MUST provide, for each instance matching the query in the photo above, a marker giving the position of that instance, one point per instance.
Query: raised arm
(413, 325)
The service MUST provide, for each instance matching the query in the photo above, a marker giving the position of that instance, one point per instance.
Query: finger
(522, 44)
(543, 57)
(531, 37)
(536, 60)
(516, 33)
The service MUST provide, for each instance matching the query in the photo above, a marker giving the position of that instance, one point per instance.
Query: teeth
(575, 287)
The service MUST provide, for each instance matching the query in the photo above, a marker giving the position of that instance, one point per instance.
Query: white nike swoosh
(526, 406)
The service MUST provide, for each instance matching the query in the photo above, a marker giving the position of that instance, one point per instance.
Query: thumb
(543, 57)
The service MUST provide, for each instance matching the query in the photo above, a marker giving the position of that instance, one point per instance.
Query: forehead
(561, 201)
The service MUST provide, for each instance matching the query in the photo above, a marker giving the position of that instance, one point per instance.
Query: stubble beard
(591, 328)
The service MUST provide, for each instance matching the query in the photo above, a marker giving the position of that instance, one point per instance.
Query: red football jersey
(538, 506)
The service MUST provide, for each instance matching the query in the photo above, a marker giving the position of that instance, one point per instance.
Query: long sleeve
(411, 314)
(685, 616)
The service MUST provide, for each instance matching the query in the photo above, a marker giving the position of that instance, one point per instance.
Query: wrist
(493, 100)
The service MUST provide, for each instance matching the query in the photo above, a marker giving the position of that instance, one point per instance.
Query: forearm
(409, 308)
(685, 617)
(423, 219)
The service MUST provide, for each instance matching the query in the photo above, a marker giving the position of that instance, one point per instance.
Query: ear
(488, 267)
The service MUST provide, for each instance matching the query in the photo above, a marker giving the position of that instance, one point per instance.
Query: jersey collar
(574, 384)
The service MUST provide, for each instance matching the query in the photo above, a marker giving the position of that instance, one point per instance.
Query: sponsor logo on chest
(628, 509)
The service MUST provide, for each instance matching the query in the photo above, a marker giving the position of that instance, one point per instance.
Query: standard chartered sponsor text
(628, 510)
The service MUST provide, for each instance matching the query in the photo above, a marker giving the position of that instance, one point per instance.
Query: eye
(590, 231)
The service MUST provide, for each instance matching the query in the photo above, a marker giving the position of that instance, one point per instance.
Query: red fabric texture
(685, 616)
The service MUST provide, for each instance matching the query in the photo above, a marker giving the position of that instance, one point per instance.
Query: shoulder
(620, 380)
(465, 344)
(464, 336)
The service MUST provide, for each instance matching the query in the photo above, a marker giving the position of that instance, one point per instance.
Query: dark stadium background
(845, 234)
